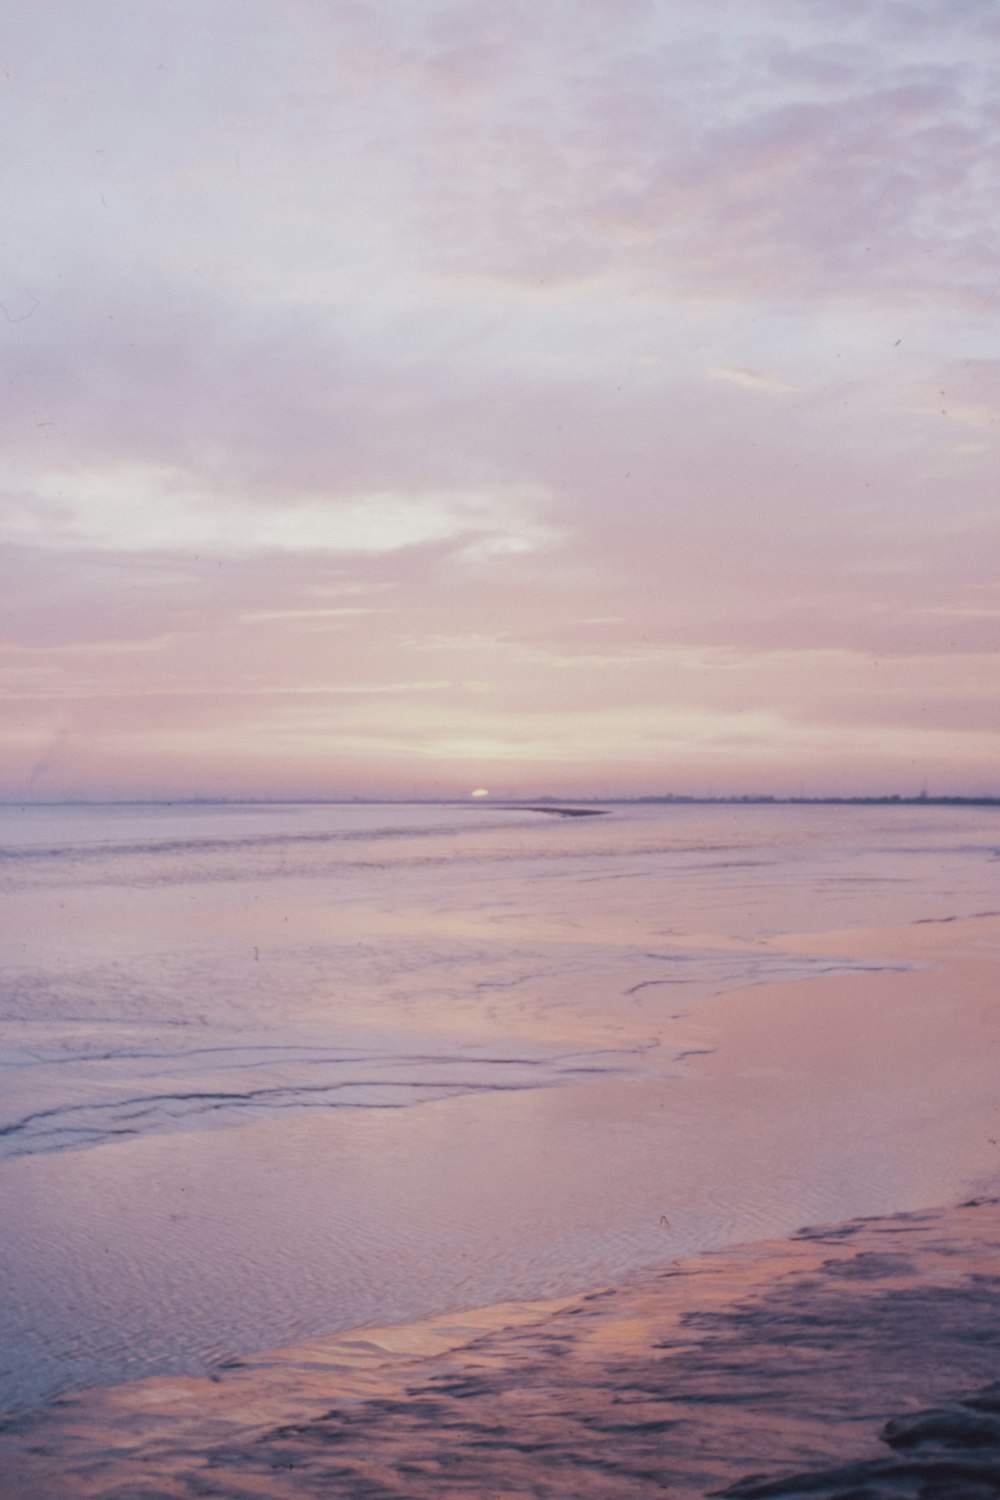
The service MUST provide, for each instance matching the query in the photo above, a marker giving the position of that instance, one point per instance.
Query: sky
(581, 397)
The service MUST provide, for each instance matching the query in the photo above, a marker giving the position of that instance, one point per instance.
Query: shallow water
(273, 1071)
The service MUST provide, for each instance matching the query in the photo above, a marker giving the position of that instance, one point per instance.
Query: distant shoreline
(566, 805)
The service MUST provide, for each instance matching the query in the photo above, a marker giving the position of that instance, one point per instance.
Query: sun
(479, 792)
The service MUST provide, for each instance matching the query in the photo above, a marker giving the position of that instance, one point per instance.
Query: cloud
(143, 508)
(753, 380)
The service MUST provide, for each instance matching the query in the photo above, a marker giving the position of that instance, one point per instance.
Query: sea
(272, 1071)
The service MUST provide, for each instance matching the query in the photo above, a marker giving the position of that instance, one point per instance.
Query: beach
(554, 1235)
(857, 1360)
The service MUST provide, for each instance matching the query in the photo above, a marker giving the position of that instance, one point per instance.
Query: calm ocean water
(269, 1071)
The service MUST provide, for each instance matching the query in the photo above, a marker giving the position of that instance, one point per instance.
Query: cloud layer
(414, 397)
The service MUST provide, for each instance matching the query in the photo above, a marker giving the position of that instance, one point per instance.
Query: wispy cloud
(754, 380)
(143, 508)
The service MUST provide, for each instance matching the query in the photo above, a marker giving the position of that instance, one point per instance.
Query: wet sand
(856, 1360)
(763, 1371)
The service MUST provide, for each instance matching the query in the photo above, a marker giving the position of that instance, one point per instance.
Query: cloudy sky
(411, 396)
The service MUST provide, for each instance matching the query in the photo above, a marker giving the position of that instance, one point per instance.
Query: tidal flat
(410, 1152)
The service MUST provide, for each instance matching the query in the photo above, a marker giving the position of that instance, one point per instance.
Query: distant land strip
(556, 809)
(536, 804)
(555, 804)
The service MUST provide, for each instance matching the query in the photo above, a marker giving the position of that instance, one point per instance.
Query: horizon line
(518, 803)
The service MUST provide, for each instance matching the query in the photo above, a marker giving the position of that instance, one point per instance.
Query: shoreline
(752, 1370)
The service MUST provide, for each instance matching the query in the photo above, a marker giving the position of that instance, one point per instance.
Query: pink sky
(407, 397)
